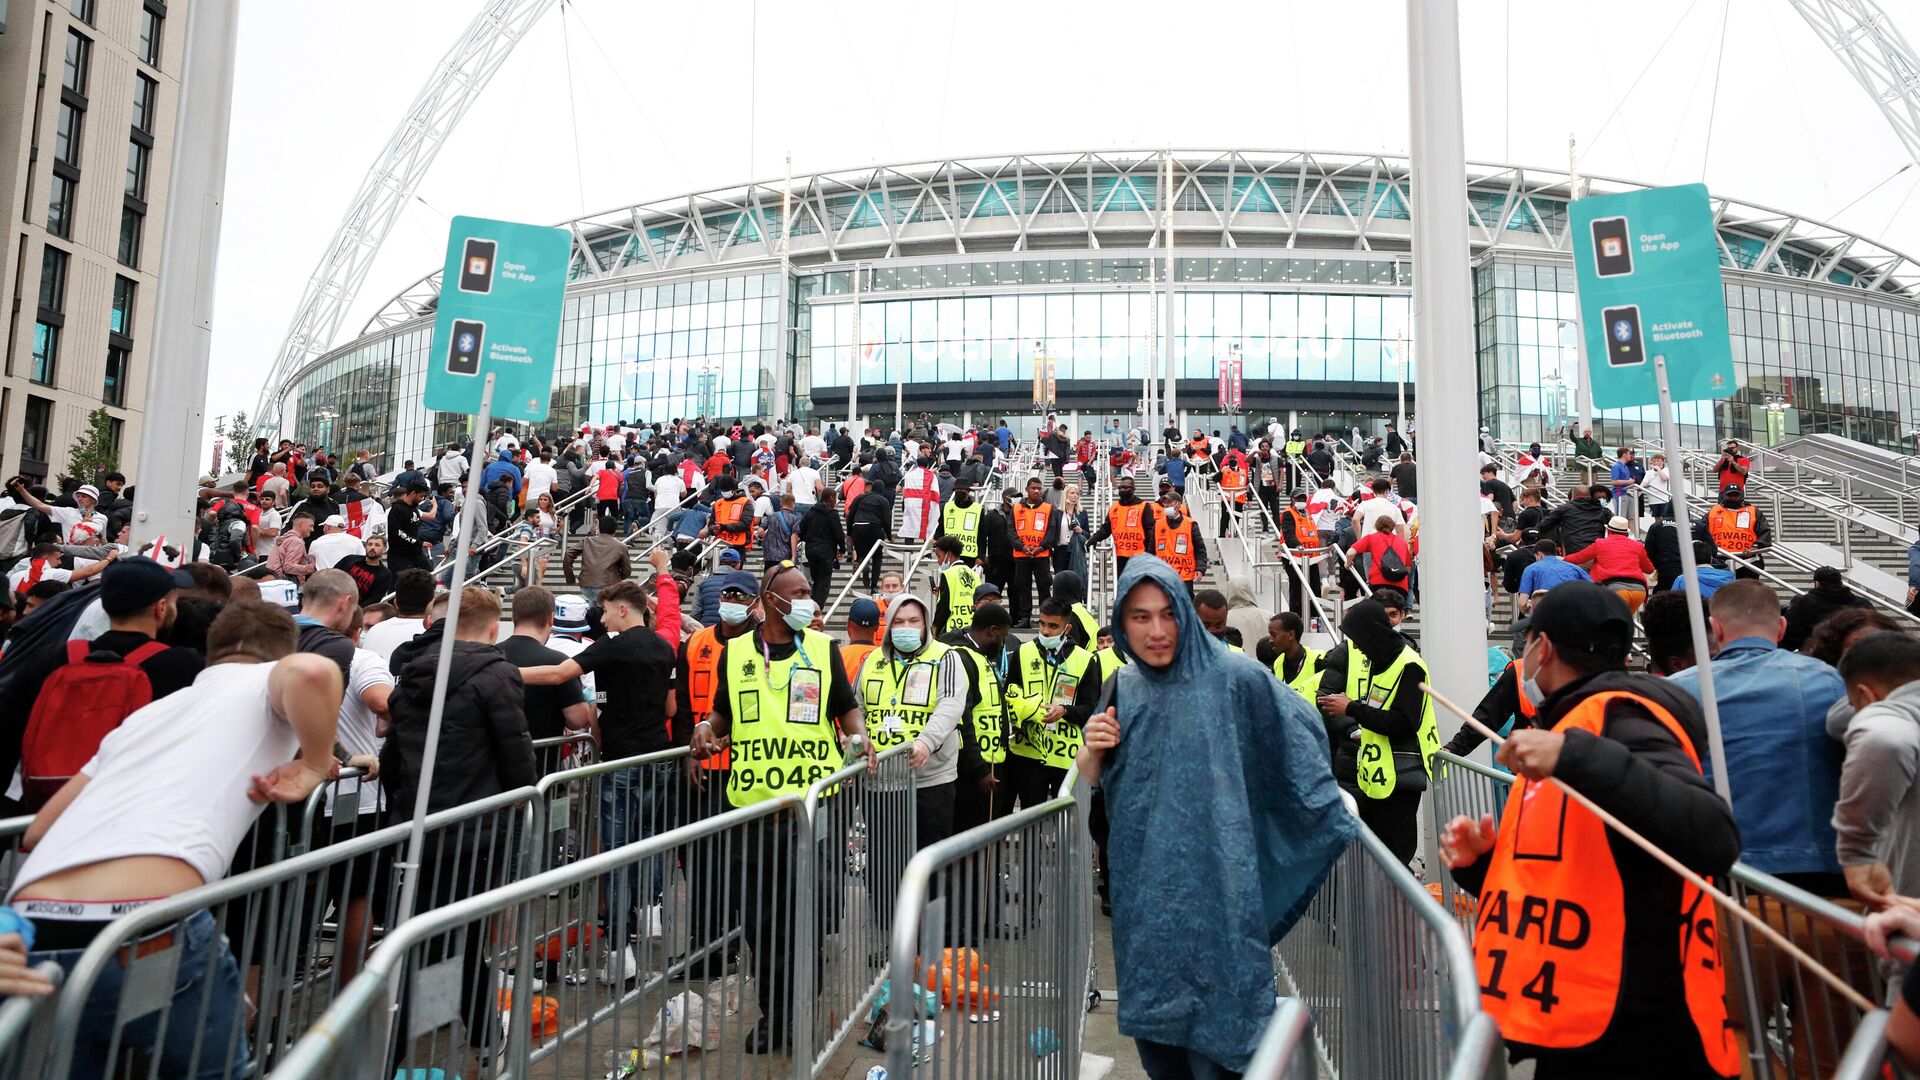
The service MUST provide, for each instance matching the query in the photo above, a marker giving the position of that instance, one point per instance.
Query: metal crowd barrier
(1792, 1024)
(563, 752)
(992, 950)
(13, 832)
(25, 1025)
(221, 979)
(1388, 976)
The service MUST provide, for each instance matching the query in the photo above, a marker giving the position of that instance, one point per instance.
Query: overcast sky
(663, 102)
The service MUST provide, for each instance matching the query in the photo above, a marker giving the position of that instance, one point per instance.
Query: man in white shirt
(813, 446)
(668, 490)
(453, 465)
(616, 441)
(334, 544)
(78, 524)
(541, 476)
(504, 440)
(804, 482)
(127, 830)
(1376, 507)
(413, 591)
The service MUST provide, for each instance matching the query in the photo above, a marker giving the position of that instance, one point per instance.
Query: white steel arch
(1881, 61)
(389, 185)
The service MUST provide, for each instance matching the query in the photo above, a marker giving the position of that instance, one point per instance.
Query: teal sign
(1648, 268)
(500, 301)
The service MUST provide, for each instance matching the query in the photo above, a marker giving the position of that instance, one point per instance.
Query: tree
(239, 436)
(93, 453)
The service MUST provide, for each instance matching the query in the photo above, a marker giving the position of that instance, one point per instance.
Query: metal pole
(1169, 397)
(1696, 608)
(781, 398)
(1583, 395)
(1446, 397)
(853, 366)
(1400, 381)
(443, 673)
(1149, 406)
(183, 301)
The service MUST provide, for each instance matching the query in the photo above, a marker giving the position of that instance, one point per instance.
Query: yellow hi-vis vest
(1043, 686)
(1088, 624)
(963, 522)
(899, 698)
(961, 581)
(781, 736)
(1375, 771)
(1295, 447)
(1110, 662)
(1307, 683)
(989, 718)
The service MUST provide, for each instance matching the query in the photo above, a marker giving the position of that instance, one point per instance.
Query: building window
(122, 320)
(46, 353)
(145, 93)
(60, 206)
(115, 426)
(38, 431)
(137, 169)
(79, 58)
(151, 18)
(115, 391)
(82, 10)
(66, 135)
(53, 280)
(131, 222)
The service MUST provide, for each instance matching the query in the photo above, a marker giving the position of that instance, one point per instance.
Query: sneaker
(619, 967)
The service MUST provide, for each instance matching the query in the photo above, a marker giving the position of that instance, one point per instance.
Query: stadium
(944, 281)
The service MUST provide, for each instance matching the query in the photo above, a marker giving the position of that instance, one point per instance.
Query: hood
(1836, 591)
(1069, 588)
(1368, 628)
(1239, 593)
(1195, 651)
(893, 610)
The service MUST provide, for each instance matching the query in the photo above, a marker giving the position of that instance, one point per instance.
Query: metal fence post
(806, 938)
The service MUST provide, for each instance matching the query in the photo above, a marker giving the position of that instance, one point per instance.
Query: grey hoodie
(1878, 816)
(941, 735)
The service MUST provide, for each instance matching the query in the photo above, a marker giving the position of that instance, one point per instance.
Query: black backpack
(1392, 566)
(226, 538)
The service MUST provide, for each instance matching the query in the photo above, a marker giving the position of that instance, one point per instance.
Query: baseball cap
(334, 521)
(1618, 524)
(730, 557)
(739, 581)
(1581, 617)
(570, 614)
(127, 585)
(984, 590)
(864, 612)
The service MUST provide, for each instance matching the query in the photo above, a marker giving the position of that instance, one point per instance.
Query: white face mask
(800, 612)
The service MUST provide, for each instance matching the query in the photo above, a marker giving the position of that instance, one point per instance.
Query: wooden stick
(1733, 906)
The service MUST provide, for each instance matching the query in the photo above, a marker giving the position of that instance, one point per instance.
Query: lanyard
(800, 654)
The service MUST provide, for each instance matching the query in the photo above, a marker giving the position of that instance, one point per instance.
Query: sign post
(494, 343)
(1654, 311)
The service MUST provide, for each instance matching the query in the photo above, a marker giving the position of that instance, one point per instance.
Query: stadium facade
(952, 277)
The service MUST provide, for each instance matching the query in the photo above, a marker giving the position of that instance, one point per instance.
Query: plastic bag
(683, 1021)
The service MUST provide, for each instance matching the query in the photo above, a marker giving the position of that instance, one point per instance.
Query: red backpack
(80, 704)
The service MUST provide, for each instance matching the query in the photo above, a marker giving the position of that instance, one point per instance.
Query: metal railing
(26, 1024)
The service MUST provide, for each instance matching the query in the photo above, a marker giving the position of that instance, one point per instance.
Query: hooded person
(1261, 790)
(1380, 724)
(1084, 628)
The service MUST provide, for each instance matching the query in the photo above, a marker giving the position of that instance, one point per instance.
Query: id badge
(919, 685)
(1065, 688)
(803, 697)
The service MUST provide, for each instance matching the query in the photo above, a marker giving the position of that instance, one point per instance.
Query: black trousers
(1028, 575)
(712, 889)
(999, 570)
(864, 537)
(1034, 781)
(1296, 583)
(821, 571)
(973, 807)
(764, 867)
(1394, 819)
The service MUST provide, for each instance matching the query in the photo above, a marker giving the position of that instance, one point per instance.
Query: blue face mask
(732, 614)
(1050, 642)
(906, 639)
(799, 614)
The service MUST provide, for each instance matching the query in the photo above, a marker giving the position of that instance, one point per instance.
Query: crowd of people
(308, 616)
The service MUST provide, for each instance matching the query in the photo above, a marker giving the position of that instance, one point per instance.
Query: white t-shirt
(804, 484)
(1372, 509)
(331, 548)
(69, 520)
(568, 647)
(24, 567)
(172, 780)
(389, 634)
(505, 442)
(540, 479)
(813, 446)
(617, 443)
(359, 726)
(667, 492)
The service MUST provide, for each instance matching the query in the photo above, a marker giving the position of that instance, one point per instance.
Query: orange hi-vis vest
(1233, 485)
(1302, 529)
(1550, 933)
(853, 654)
(1129, 533)
(704, 650)
(1528, 707)
(1200, 446)
(1032, 524)
(1175, 543)
(1732, 530)
(728, 514)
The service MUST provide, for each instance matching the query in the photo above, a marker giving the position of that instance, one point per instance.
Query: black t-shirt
(840, 696)
(326, 641)
(373, 581)
(632, 672)
(545, 705)
(167, 670)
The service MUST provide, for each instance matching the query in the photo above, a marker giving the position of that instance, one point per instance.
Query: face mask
(1173, 517)
(1050, 642)
(1530, 691)
(1299, 504)
(963, 500)
(1732, 502)
(799, 614)
(732, 614)
(905, 638)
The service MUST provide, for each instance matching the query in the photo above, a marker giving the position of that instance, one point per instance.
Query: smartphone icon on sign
(476, 266)
(1612, 253)
(463, 352)
(1624, 345)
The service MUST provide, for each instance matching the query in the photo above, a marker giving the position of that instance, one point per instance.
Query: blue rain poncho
(1224, 821)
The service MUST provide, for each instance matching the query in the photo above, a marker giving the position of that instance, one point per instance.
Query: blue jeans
(635, 804)
(592, 593)
(204, 1012)
(636, 512)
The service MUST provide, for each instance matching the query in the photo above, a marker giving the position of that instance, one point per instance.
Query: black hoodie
(1367, 628)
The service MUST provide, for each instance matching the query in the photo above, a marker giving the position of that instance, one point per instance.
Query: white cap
(89, 491)
(334, 521)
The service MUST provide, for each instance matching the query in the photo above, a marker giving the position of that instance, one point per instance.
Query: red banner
(1230, 383)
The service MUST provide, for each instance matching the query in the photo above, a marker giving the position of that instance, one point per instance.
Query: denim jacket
(1782, 767)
